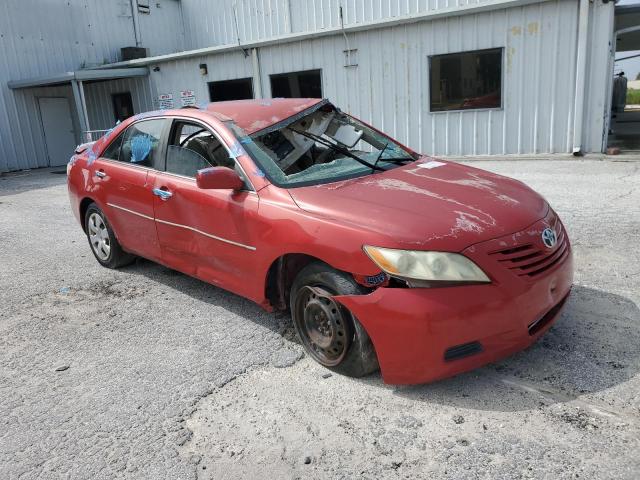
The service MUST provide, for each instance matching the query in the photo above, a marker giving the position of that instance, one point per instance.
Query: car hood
(427, 204)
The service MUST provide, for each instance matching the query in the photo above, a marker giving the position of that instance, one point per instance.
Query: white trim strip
(130, 211)
(231, 242)
(206, 234)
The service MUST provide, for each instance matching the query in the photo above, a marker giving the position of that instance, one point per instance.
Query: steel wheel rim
(323, 328)
(99, 236)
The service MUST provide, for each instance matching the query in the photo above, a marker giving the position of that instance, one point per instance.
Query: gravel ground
(146, 373)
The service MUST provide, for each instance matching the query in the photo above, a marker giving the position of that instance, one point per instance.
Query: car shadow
(593, 346)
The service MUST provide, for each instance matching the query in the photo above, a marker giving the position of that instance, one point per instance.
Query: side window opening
(193, 147)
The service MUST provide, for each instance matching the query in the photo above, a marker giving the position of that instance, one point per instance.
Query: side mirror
(218, 178)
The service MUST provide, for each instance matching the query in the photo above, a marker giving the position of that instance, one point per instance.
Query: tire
(330, 334)
(102, 240)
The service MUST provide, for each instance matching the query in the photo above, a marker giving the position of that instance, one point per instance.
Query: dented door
(205, 233)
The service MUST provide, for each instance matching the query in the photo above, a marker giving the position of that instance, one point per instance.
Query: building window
(307, 84)
(122, 106)
(238, 89)
(465, 81)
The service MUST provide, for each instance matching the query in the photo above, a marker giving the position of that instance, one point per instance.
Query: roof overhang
(80, 76)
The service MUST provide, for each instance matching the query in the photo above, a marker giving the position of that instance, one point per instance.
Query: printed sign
(187, 98)
(165, 101)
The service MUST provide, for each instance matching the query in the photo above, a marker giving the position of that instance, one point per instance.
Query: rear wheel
(103, 242)
(329, 333)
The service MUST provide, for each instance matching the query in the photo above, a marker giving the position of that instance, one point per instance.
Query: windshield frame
(254, 152)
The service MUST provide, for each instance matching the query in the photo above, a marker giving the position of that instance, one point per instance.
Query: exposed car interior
(326, 144)
(193, 147)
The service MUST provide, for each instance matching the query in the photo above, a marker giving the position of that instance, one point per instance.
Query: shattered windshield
(321, 146)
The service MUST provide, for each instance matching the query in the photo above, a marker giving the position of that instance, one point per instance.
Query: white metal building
(446, 77)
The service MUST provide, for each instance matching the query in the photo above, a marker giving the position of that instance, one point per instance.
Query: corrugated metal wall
(43, 37)
(210, 23)
(99, 102)
(390, 86)
(176, 76)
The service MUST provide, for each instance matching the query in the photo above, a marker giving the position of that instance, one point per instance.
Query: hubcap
(322, 324)
(99, 236)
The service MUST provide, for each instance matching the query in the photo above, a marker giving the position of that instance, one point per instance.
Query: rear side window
(113, 150)
(140, 143)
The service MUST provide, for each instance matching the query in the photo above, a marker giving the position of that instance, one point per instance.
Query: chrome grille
(532, 259)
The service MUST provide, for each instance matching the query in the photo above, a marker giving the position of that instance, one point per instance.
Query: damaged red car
(386, 259)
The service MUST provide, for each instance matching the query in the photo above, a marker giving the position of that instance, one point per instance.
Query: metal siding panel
(185, 74)
(42, 37)
(208, 23)
(393, 66)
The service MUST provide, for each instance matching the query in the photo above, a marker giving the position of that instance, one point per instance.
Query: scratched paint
(395, 184)
(475, 181)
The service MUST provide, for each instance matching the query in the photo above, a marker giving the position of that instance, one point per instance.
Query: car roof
(255, 115)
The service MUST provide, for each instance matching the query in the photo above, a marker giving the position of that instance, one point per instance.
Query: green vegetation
(633, 97)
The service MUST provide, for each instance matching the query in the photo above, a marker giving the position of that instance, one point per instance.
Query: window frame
(480, 109)
(162, 144)
(174, 120)
(211, 84)
(297, 73)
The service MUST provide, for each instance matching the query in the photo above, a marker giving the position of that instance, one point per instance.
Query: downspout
(136, 23)
(257, 74)
(287, 17)
(581, 80)
(81, 109)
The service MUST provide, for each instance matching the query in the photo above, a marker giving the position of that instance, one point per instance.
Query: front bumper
(421, 334)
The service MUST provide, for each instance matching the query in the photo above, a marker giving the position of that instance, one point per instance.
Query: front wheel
(329, 333)
(104, 244)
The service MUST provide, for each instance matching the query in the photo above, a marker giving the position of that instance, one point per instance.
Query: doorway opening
(57, 126)
(122, 106)
(624, 123)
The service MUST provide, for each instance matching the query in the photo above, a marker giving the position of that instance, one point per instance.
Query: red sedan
(386, 259)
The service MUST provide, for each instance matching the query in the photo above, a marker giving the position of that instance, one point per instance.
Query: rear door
(205, 233)
(124, 176)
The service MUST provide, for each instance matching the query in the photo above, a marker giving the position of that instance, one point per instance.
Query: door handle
(163, 194)
(101, 174)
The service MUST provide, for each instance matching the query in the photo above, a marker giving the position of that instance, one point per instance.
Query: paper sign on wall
(165, 101)
(187, 98)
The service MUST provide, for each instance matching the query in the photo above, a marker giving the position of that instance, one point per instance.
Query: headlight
(426, 266)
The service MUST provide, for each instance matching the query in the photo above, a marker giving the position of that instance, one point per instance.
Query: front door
(204, 233)
(57, 126)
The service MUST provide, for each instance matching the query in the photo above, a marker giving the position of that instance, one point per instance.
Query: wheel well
(84, 204)
(281, 275)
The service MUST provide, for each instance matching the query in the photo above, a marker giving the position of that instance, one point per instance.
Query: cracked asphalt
(146, 373)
